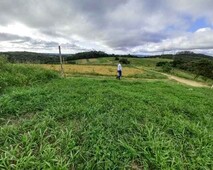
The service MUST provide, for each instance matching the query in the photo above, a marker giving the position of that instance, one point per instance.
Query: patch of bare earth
(136, 166)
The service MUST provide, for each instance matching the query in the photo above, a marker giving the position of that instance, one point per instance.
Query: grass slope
(86, 123)
(23, 75)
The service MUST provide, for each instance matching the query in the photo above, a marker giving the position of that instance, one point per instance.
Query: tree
(204, 68)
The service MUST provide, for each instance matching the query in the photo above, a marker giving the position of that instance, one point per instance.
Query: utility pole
(61, 61)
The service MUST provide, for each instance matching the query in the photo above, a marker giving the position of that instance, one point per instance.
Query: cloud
(16, 43)
(201, 40)
(8, 37)
(120, 26)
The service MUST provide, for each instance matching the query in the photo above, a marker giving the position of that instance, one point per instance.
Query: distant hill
(183, 55)
(26, 57)
(95, 54)
(46, 58)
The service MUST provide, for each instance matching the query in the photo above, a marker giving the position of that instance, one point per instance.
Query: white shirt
(119, 67)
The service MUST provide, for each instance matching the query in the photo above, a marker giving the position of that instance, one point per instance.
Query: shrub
(204, 68)
(161, 63)
(167, 68)
(71, 62)
(116, 58)
(124, 61)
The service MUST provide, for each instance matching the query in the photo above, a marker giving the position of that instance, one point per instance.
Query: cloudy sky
(113, 26)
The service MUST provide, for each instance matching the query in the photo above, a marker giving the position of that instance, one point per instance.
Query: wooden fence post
(61, 62)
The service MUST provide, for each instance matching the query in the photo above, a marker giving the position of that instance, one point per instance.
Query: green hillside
(22, 75)
(199, 65)
(103, 123)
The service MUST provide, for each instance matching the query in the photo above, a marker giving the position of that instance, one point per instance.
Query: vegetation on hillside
(22, 75)
(200, 67)
(44, 58)
(197, 64)
(30, 57)
(182, 54)
(95, 54)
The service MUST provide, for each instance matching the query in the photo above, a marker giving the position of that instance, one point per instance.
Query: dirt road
(181, 80)
(186, 81)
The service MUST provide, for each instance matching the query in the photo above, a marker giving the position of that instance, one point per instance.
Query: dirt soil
(186, 81)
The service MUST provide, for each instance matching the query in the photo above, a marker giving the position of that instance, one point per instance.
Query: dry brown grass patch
(88, 69)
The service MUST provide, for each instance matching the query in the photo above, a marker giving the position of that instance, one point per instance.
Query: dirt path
(183, 80)
(186, 81)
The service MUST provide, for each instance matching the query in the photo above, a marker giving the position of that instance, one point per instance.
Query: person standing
(119, 69)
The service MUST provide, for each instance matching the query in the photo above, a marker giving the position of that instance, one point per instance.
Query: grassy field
(139, 68)
(82, 123)
(104, 70)
(146, 62)
(103, 123)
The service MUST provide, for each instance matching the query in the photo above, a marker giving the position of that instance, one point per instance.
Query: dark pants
(119, 74)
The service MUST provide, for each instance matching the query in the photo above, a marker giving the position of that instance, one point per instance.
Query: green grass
(77, 74)
(22, 75)
(86, 123)
(145, 62)
(148, 74)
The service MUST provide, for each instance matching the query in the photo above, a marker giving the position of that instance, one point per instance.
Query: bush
(124, 61)
(116, 58)
(204, 68)
(161, 63)
(71, 62)
(167, 68)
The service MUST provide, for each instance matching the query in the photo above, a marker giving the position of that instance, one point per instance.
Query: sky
(145, 27)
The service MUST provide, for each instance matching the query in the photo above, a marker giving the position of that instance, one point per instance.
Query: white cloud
(120, 26)
(201, 40)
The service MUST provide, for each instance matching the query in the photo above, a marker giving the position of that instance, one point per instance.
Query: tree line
(45, 58)
(30, 57)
